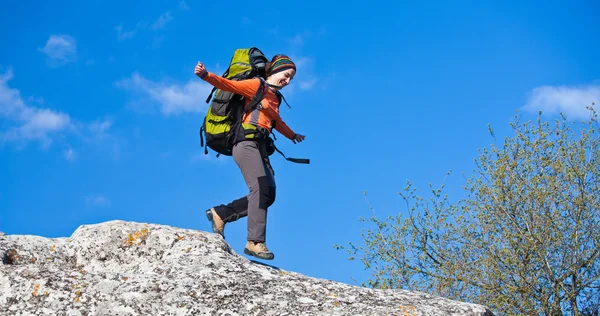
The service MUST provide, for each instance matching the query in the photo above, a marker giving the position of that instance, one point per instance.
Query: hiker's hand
(298, 138)
(200, 70)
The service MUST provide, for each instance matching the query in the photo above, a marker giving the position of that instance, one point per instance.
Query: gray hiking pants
(259, 177)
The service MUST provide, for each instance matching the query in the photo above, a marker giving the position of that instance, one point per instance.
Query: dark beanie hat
(281, 63)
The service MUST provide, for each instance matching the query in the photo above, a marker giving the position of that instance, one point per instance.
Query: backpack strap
(296, 160)
(280, 96)
(211, 94)
(238, 132)
(256, 98)
(225, 74)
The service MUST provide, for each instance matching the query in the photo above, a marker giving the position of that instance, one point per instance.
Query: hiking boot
(218, 225)
(258, 250)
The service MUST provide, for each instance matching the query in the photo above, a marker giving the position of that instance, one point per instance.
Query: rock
(127, 268)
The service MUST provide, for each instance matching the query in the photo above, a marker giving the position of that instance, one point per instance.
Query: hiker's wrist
(202, 76)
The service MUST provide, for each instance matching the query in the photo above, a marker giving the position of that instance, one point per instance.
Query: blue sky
(100, 108)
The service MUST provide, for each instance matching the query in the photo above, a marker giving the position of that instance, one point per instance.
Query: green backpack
(226, 108)
(222, 121)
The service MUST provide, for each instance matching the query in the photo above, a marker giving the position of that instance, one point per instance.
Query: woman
(250, 154)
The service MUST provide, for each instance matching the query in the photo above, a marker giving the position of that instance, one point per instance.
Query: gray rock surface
(127, 268)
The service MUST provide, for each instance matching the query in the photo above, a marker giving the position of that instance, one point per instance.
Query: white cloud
(296, 40)
(100, 127)
(158, 24)
(572, 101)
(38, 122)
(70, 154)
(301, 62)
(307, 84)
(327, 80)
(123, 35)
(183, 6)
(162, 20)
(60, 50)
(305, 75)
(28, 122)
(10, 99)
(96, 200)
(96, 131)
(157, 41)
(173, 98)
(322, 31)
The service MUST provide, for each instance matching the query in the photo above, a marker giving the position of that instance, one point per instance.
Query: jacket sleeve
(280, 125)
(246, 88)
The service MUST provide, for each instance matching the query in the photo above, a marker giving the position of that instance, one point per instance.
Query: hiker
(250, 151)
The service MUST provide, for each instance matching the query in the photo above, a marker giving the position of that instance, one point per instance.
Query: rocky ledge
(127, 268)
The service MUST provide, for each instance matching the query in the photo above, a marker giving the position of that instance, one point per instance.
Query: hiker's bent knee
(269, 197)
(266, 193)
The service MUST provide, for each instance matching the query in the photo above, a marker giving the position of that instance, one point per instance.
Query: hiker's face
(283, 78)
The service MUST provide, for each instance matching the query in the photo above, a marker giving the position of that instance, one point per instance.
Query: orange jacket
(267, 110)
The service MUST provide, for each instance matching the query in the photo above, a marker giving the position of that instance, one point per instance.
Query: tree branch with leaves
(524, 240)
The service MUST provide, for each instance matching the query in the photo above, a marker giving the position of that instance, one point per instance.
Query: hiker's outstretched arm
(246, 88)
(280, 125)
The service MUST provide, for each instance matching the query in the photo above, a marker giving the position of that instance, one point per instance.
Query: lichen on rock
(128, 268)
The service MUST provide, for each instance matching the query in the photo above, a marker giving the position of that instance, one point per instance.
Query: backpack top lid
(247, 63)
